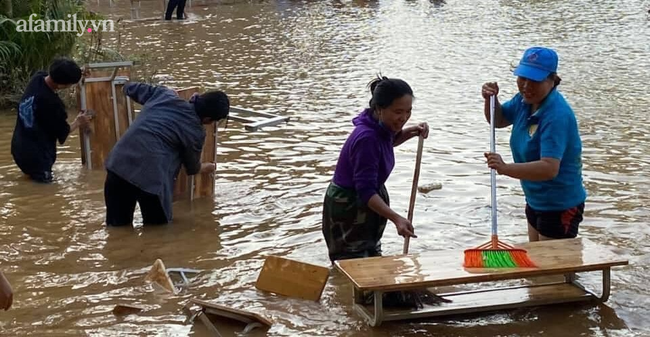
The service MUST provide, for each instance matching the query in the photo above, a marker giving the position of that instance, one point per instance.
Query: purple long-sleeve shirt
(367, 157)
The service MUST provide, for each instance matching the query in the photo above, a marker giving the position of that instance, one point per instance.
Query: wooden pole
(414, 190)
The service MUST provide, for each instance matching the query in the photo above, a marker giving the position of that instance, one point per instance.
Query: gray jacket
(166, 134)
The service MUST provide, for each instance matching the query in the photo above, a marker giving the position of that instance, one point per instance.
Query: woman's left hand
(421, 129)
(495, 161)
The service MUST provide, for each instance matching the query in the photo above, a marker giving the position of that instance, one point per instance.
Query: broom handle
(493, 175)
(414, 189)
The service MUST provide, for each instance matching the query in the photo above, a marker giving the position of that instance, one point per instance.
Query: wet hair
(385, 90)
(556, 79)
(64, 71)
(213, 104)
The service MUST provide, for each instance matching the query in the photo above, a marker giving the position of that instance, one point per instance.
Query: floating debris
(429, 187)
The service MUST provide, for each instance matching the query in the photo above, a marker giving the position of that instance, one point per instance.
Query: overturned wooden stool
(251, 319)
(161, 276)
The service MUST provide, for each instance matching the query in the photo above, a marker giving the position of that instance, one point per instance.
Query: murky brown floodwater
(312, 60)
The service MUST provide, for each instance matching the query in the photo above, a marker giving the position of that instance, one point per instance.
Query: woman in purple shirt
(356, 206)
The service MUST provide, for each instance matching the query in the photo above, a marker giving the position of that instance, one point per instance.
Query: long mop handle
(493, 174)
(414, 190)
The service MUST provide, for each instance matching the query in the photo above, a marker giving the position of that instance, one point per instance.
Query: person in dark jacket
(356, 206)
(42, 120)
(145, 162)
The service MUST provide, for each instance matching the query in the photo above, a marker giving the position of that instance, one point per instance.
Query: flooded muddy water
(311, 60)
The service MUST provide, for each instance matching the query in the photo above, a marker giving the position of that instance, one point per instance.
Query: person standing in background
(180, 9)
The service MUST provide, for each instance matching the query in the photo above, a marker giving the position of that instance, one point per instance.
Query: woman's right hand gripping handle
(490, 89)
(404, 227)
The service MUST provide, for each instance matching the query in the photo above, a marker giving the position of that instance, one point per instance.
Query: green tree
(22, 53)
(6, 8)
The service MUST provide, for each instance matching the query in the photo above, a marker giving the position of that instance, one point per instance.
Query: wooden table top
(440, 268)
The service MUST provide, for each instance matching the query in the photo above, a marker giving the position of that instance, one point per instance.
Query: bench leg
(604, 295)
(250, 326)
(374, 319)
(358, 296)
(570, 278)
(607, 282)
(379, 309)
(208, 324)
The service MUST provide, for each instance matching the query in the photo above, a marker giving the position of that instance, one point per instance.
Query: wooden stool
(251, 319)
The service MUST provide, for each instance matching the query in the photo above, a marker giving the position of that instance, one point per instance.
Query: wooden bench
(445, 268)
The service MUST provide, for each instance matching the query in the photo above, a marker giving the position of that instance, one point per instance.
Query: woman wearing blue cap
(545, 144)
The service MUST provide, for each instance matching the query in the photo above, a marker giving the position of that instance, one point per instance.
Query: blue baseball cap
(537, 63)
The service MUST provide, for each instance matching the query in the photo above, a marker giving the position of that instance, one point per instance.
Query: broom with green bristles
(494, 253)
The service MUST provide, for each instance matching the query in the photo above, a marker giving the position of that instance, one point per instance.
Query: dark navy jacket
(166, 134)
(41, 122)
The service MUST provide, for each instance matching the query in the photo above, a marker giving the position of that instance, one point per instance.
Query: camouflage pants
(351, 230)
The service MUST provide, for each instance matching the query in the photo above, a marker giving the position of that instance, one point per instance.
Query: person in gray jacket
(145, 162)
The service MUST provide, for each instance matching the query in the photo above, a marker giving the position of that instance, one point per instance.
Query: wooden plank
(102, 136)
(204, 182)
(182, 186)
(442, 268)
(292, 278)
(208, 324)
(99, 98)
(237, 314)
(493, 300)
(126, 309)
(98, 73)
(122, 112)
(183, 181)
(158, 274)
